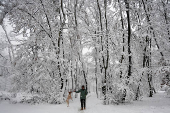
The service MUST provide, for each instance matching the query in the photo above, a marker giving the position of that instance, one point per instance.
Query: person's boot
(84, 107)
(81, 108)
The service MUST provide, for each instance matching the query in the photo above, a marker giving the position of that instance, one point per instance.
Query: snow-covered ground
(160, 103)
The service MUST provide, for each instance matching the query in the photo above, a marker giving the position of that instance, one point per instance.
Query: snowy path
(160, 103)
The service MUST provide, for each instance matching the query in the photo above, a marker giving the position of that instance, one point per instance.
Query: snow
(160, 103)
(168, 91)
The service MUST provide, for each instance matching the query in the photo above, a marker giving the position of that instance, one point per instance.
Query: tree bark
(129, 38)
(147, 50)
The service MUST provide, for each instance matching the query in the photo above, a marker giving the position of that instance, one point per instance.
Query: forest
(119, 49)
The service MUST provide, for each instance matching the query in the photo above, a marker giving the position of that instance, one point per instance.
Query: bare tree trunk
(101, 43)
(76, 79)
(78, 37)
(122, 23)
(72, 78)
(62, 23)
(147, 57)
(106, 63)
(96, 65)
(166, 16)
(129, 38)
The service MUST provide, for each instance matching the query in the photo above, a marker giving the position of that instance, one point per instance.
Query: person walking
(83, 93)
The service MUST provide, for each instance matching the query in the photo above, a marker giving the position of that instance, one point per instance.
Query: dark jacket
(83, 93)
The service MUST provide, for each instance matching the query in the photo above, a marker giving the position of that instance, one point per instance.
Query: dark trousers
(83, 103)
